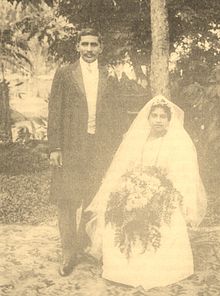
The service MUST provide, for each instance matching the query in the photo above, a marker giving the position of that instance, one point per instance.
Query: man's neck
(93, 64)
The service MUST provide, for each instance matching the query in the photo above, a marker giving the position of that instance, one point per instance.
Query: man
(84, 128)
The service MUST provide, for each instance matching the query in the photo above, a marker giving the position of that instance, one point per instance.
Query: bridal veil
(184, 172)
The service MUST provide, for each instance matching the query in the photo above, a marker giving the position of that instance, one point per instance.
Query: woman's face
(158, 120)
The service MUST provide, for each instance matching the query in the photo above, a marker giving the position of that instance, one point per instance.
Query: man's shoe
(66, 268)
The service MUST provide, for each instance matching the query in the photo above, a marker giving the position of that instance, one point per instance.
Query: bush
(24, 185)
(24, 198)
(22, 159)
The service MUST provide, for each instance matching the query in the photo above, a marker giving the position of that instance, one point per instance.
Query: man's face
(158, 120)
(89, 48)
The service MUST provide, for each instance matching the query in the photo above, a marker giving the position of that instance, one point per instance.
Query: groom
(84, 128)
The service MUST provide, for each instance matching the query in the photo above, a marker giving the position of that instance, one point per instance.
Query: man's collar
(93, 65)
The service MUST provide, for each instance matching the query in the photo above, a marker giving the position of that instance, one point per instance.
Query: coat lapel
(101, 87)
(77, 78)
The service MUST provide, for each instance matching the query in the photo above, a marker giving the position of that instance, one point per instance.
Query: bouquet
(144, 200)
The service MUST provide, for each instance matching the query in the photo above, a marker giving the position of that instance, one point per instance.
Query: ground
(30, 258)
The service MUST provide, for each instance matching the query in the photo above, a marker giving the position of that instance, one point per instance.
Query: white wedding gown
(171, 263)
(174, 152)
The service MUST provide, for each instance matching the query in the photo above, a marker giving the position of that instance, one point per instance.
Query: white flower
(130, 186)
(136, 202)
(161, 189)
(148, 193)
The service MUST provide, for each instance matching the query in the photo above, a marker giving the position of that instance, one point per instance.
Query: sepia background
(150, 47)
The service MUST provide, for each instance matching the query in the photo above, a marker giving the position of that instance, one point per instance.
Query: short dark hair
(162, 106)
(89, 32)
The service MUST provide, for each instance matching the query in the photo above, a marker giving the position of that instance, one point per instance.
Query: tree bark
(5, 118)
(160, 48)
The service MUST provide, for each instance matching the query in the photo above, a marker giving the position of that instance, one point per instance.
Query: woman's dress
(170, 263)
(176, 154)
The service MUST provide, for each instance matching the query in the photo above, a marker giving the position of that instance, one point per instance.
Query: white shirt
(90, 75)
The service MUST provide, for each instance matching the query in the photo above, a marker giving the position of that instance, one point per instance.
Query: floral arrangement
(144, 200)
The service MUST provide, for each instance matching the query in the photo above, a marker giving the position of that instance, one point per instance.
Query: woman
(155, 139)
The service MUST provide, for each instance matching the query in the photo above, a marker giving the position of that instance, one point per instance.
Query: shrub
(24, 184)
(24, 198)
(22, 159)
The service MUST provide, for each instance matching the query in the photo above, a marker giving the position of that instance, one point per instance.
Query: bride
(155, 139)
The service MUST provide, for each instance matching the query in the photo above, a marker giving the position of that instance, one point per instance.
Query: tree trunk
(5, 118)
(160, 48)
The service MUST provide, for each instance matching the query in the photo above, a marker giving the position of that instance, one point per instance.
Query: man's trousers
(74, 239)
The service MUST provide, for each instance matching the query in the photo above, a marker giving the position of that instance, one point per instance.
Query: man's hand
(56, 160)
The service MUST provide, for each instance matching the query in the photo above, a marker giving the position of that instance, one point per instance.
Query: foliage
(118, 21)
(13, 44)
(24, 132)
(201, 102)
(21, 21)
(13, 52)
(125, 25)
(48, 27)
(36, 3)
(24, 189)
(18, 159)
(212, 217)
(143, 201)
(25, 198)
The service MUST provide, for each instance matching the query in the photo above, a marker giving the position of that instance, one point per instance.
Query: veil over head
(131, 148)
(133, 142)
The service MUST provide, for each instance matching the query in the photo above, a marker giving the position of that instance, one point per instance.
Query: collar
(84, 65)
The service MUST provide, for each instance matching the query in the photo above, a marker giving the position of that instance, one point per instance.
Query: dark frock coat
(67, 130)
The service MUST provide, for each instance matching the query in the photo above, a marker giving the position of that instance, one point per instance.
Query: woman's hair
(165, 107)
